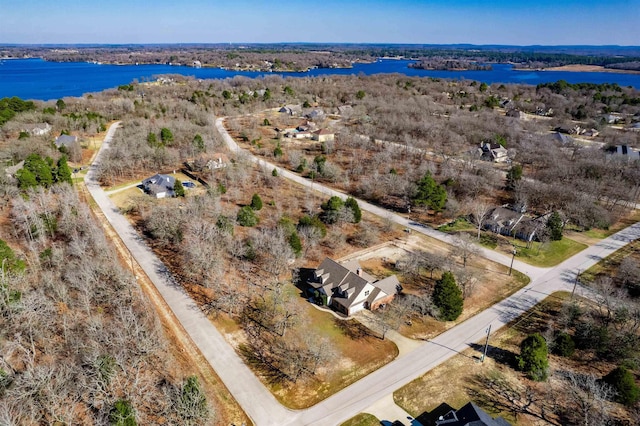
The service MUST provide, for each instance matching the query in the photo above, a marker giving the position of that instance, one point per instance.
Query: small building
(323, 135)
(219, 161)
(292, 110)
(197, 64)
(65, 141)
(39, 129)
(316, 114)
(159, 186)
(562, 138)
(348, 289)
(470, 415)
(494, 152)
(345, 110)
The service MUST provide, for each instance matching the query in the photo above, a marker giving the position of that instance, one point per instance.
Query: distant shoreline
(586, 68)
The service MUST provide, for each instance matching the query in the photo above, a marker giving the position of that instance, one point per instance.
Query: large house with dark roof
(506, 221)
(160, 186)
(470, 415)
(348, 289)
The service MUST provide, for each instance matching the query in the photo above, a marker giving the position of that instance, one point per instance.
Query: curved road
(251, 394)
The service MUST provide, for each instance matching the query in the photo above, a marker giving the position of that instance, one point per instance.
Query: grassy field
(458, 225)
(548, 254)
(362, 419)
(606, 265)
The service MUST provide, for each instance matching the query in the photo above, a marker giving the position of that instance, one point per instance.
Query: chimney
(359, 272)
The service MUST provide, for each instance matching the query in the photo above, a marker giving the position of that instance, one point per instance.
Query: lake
(43, 80)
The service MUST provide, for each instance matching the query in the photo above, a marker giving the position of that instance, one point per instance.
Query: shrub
(355, 208)
(313, 222)
(122, 414)
(533, 358)
(246, 217)
(564, 345)
(295, 243)
(627, 391)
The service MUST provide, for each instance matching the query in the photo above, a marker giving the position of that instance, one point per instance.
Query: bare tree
(479, 213)
(584, 400)
(464, 248)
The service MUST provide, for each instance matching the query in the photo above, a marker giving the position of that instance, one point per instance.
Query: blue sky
(547, 22)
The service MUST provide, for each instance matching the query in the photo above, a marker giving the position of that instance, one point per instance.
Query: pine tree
(355, 208)
(533, 358)
(430, 193)
(513, 176)
(178, 189)
(554, 224)
(63, 172)
(256, 202)
(447, 296)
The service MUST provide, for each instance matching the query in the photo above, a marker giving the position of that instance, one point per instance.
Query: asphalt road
(257, 401)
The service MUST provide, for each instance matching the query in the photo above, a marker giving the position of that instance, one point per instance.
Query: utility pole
(486, 344)
(512, 258)
(575, 284)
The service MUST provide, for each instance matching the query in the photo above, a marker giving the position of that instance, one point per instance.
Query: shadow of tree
(352, 329)
(499, 395)
(501, 356)
(271, 373)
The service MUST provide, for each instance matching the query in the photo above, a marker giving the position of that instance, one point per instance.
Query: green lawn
(362, 419)
(458, 225)
(548, 254)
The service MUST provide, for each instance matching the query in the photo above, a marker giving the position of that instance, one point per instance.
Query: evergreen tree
(63, 172)
(295, 243)
(330, 209)
(355, 208)
(152, 140)
(447, 297)
(26, 179)
(178, 189)
(256, 202)
(198, 142)
(431, 194)
(533, 358)
(40, 168)
(513, 176)
(166, 136)
(564, 345)
(554, 224)
(627, 391)
(246, 217)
